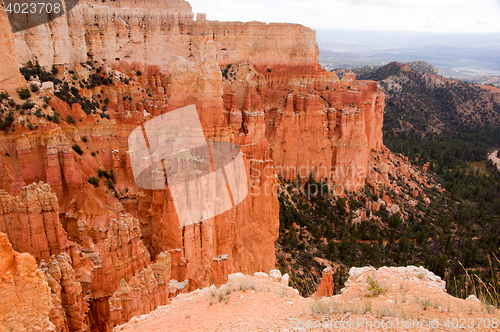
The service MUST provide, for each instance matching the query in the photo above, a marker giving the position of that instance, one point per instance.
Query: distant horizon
(456, 55)
(409, 32)
(426, 16)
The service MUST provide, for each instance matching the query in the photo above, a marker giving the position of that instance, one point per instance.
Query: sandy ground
(407, 303)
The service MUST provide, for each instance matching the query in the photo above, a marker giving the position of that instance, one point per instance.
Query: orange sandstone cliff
(25, 300)
(113, 251)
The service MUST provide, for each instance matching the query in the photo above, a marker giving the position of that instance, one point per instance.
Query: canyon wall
(10, 77)
(111, 250)
(24, 294)
(171, 43)
(131, 32)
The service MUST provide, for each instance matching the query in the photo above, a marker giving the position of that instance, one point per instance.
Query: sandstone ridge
(389, 296)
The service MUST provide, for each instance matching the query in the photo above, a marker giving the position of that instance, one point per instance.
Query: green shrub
(24, 94)
(110, 184)
(94, 181)
(34, 88)
(27, 105)
(56, 117)
(109, 176)
(84, 139)
(77, 149)
(374, 287)
(35, 70)
(70, 119)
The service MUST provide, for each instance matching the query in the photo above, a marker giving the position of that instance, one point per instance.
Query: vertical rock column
(25, 302)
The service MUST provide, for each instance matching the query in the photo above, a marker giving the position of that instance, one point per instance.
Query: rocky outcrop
(25, 302)
(492, 92)
(45, 155)
(31, 222)
(314, 123)
(265, 45)
(142, 294)
(219, 270)
(10, 77)
(369, 281)
(113, 243)
(116, 33)
(405, 298)
(69, 306)
(112, 250)
(326, 287)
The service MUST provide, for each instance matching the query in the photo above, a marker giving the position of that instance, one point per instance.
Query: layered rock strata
(25, 301)
(143, 293)
(254, 84)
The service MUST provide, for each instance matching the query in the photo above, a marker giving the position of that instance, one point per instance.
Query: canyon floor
(395, 299)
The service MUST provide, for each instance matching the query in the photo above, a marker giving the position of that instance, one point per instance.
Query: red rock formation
(25, 301)
(326, 287)
(121, 255)
(219, 270)
(31, 222)
(266, 45)
(116, 251)
(274, 101)
(10, 77)
(284, 54)
(493, 92)
(145, 291)
(69, 307)
(313, 122)
(43, 155)
(117, 254)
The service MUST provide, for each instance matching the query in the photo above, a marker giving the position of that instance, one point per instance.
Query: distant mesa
(420, 66)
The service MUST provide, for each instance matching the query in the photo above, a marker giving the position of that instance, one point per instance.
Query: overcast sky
(395, 15)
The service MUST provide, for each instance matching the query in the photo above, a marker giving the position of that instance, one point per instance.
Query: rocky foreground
(394, 298)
